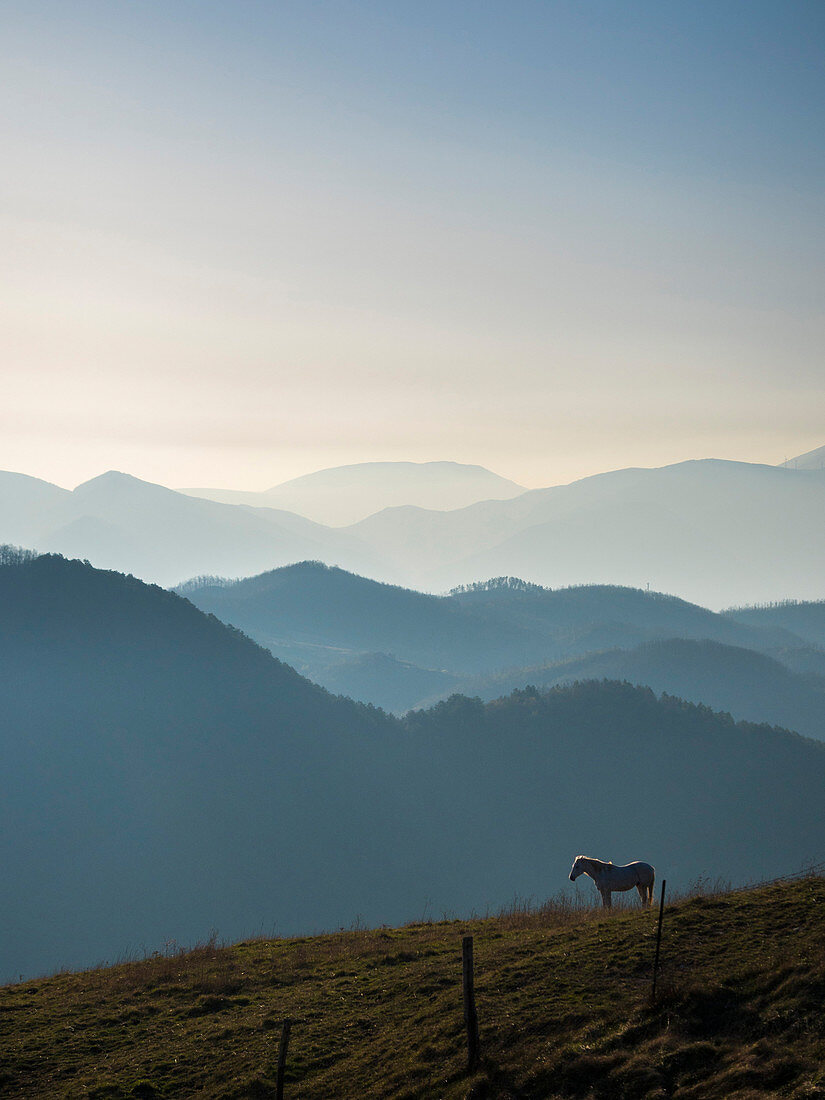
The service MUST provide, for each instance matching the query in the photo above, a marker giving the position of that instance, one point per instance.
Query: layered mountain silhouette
(314, 605)
(717, 533)
(346, 494)
(811, 460)
(120, 522)
(744, 683)
(714, 532)
(400, 649)
(166, 776)
(804, 619)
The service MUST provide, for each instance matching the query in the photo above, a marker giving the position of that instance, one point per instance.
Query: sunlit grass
(563, 993)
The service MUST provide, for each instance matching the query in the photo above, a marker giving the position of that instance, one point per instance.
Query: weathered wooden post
(658, 940)
(470, 1014)
(279, 1082)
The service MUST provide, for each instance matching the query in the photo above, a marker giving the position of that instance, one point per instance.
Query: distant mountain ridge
(715, 532)
(120, 522)
(811, 460)
(345, 494)
(705, 529)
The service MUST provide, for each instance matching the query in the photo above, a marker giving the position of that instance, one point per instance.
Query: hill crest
(343, 495)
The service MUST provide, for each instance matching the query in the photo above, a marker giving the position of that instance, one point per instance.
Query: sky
(243, 241)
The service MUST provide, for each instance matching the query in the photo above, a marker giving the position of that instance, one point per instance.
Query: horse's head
(577, 868)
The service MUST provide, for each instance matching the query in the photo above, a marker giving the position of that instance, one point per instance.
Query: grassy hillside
(563, 998)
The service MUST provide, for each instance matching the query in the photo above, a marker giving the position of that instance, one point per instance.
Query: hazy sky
(245, 240)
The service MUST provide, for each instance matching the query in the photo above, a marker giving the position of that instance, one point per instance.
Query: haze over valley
(347, 494)
(713, 532)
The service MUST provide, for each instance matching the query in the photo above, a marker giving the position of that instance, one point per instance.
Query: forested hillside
(749, 685)
(166, 776)
(804, 618)
(400, 649)
(166, 773)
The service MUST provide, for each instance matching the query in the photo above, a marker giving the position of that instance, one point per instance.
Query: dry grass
(563, 993)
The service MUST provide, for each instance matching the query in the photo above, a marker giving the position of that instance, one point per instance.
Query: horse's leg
(606, 900)
(642, 893)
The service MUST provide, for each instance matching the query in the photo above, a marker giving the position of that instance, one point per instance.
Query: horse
(608, 877)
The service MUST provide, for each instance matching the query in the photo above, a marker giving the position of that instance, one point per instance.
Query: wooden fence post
(470, 1014)
(279, 1083)
(658, 941)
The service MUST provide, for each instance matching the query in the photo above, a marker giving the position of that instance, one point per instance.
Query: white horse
(608, 877)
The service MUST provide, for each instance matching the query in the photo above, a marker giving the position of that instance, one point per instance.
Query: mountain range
(346, 494)
(747, 684)
(711, 531)
(714, 532)
(165, 776)
(401, 649)
(811, 460)
(117, 521)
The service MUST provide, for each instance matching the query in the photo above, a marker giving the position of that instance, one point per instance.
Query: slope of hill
(805, 619)
(563, 1001)
(331, 625)
(159, 765)
(710, 530)
(811, 460)
(346, 494)
(24, 502)
(378, 678)
(339, 611)
(119, 522)
(590, 608)
(165, 776)
(746, 684)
